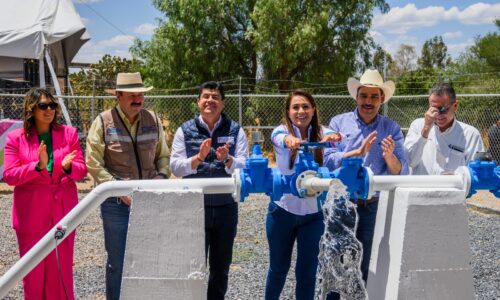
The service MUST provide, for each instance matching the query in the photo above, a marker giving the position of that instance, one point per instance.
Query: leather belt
(365, 202)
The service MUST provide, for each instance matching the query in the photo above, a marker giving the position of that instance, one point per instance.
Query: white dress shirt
(180, 164)
(289, 202)
(441, 152)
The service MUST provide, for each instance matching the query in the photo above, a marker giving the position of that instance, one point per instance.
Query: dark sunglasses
(45, 106)
(443, 109)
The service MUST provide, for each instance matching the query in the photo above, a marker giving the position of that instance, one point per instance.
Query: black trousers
(220, 230)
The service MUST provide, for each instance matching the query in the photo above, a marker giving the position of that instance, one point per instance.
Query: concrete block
(421, 246)
(165, 252)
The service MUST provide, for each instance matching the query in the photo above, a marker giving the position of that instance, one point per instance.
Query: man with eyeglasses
(126, 142)
(439, 143)
(376, 139)
(208, 146)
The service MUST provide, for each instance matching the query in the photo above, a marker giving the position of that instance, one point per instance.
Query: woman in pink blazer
(43, 160)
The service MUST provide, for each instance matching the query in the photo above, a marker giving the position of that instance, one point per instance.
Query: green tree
(404, 59)
(434, 54)
(476, 70)
(417, 82)
(261, 39)
(487, 48)
(382, 60)
(102, 75)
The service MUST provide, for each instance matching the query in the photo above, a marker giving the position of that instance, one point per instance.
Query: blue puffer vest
(194, 134)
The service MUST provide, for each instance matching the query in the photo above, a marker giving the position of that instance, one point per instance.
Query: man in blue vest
(208, 146)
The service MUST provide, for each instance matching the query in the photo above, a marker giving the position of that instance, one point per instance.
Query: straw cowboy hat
(129, 82)
(371, 78)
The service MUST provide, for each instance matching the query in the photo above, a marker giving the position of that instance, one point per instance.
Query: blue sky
(409, 22)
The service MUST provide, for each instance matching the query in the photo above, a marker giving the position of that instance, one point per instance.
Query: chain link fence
(264, 112)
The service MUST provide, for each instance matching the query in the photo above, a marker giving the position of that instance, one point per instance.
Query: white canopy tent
(36, 29)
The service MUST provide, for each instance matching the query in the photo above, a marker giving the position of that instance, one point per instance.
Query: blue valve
(257, 177)
(485, 175)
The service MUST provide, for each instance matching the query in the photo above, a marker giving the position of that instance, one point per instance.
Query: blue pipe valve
(257, 177)
(484, 175)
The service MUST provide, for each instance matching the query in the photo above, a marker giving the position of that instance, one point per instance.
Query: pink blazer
(41, 200)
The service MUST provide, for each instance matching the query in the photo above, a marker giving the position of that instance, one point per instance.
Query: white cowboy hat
(371, 78)
(129, 82)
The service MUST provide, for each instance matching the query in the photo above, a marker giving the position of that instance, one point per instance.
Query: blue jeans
(220, 231)
(115, 215)
(366, 227)
(282, 229)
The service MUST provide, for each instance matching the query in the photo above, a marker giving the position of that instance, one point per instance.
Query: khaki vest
(124, 158)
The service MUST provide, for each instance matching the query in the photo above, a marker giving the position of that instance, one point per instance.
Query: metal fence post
(92, 102)
(240, 105)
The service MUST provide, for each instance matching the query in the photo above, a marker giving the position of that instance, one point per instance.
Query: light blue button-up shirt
(354, 130)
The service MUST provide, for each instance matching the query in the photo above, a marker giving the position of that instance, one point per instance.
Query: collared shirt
(354, 131)
(180, 164)
(96, 146)
(289, 202)
(441, 152)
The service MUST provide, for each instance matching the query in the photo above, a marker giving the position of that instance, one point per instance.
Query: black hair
(212, 85)
(442, 88)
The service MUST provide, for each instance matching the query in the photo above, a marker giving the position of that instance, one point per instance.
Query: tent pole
(57, 87)
(41, 70)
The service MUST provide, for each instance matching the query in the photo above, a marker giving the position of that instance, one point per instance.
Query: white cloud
(400, 20)
(392, 43)
(452, 35)
(85, 21)
(145, 29)
(479, 13)
(455, 49)
(92, 52)
(118, 41)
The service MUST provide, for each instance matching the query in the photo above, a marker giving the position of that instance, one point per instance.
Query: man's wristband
(228, 158)
(163, 175)
(198, 158)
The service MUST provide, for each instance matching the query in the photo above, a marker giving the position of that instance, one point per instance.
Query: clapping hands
(68, 159)
(43, 157)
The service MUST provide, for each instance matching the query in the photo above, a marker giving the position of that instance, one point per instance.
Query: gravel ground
(247, 277)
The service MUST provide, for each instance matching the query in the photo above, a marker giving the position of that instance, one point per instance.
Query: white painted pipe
(88, 204)
(316, 184)
(460, 180)
(389, 182)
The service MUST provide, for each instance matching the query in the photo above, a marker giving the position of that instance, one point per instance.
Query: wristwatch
(163, 175)
(228, 158)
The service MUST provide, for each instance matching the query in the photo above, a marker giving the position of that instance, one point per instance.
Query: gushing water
(340, 252)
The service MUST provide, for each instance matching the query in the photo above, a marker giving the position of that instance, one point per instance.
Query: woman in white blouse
(293, 218)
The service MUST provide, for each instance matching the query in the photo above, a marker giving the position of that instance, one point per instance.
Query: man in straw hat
(439, 143)
(377, 139)
(126, 142)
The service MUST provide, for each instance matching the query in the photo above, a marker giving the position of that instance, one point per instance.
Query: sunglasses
(45, 106)
(443, 109)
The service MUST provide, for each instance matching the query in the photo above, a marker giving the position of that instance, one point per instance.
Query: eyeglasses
(443, 109)
(45, 106)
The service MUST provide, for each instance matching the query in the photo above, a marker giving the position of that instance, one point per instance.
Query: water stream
(340, 252)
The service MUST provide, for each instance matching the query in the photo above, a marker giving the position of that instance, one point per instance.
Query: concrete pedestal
(165, 252)
(421, 246)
